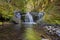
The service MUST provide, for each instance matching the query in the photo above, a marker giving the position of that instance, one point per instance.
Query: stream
(23, 32)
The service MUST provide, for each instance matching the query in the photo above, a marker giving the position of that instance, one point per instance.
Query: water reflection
(30, 33)
(17, 26)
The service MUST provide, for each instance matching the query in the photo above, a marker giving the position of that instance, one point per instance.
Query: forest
(50, 7)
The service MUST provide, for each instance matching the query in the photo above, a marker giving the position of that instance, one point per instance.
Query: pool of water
(18, 32)
(22, 32)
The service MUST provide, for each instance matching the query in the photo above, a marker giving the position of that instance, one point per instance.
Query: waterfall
(40, 15)
(29, 19)
(17, 17)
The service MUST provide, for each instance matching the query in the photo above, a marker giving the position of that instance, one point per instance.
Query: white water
(17, 17)
(29, 19)
(40, 15)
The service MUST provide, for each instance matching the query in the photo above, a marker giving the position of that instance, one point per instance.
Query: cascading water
(40, 15)
(17, 17)
(29, 19)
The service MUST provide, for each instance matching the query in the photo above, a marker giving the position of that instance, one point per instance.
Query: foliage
(51, 16)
